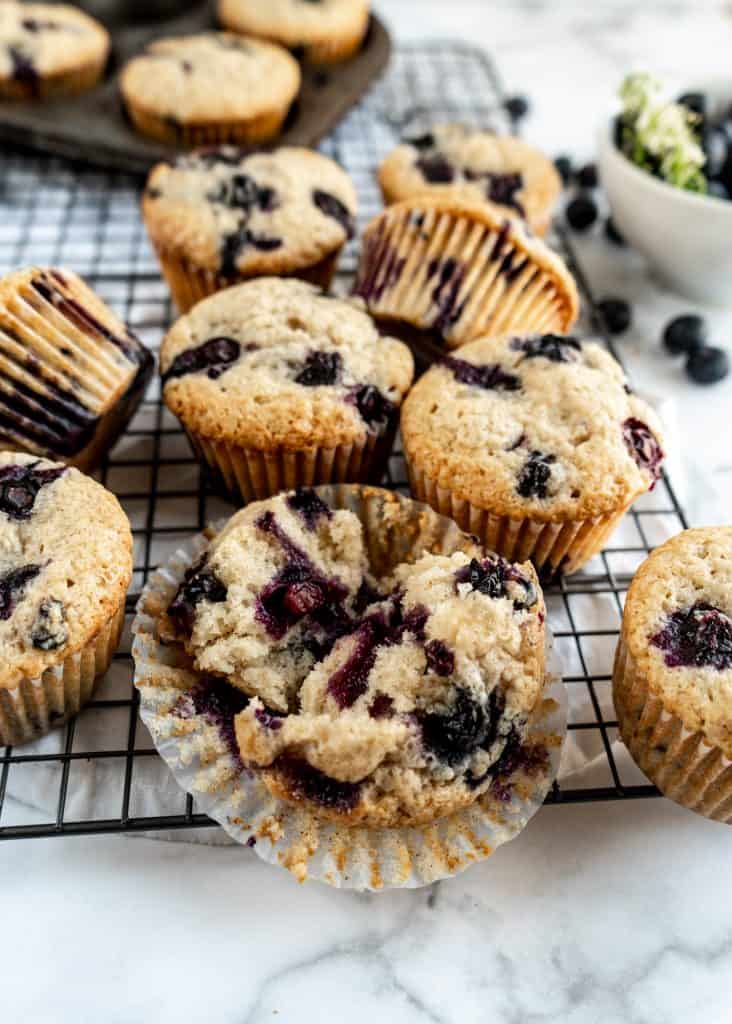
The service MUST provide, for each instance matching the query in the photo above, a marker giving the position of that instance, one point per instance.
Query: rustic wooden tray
(94, 129)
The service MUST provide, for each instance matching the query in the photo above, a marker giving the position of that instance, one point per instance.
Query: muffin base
(249, 474)
(210, 133)
(190, 284)
(35, 706)
(683, 764)
(556, 549)
(49, 87)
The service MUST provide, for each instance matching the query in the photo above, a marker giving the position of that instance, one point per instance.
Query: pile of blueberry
(715, 137)
(582, 211)
(687, 336)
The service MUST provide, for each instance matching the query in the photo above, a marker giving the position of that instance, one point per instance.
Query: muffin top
(677, 625)
(397, 694)
(273, 362)
(65, 563)
(295, 23)
(540, 425)
(39, 40)
(268, 213)
(477, 165)
(214, 76)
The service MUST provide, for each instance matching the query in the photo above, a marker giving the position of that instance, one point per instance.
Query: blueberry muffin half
(479, 166)
(532, 442)
(49, 50)
(277, 385)
(65, 565)
(324, 31)
(218, 216)
(672, 682)
(210, 89)
(373, 697)
(452, 270)
(71, 373)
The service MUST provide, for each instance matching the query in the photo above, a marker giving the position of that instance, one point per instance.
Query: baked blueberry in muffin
(477, 165)
(382, 700)
(71, 373)
(532, 442)
(278, 385)
(220, 216)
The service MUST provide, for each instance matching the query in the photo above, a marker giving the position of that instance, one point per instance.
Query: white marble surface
(598, 913)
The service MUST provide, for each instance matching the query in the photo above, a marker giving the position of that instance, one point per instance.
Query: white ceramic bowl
(686, 237)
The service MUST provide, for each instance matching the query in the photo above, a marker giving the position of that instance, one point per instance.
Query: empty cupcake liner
(250, 474)
(681, 762)
(202, 761)
(190, 284)
(460, 277)
(36, 705)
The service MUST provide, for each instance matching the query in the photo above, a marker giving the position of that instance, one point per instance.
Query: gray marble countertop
(596, 913)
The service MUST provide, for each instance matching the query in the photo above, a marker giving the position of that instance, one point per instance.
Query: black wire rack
(101, 774)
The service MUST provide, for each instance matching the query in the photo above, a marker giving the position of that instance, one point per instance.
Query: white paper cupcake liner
(311, 848)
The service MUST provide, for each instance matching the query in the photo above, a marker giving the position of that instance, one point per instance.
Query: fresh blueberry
(517, 107)
(581, 213)
(612, 234)
(685, 334)
(708, 365)
(615, 314)
(199, 584)
(587, 176)
(564, 168)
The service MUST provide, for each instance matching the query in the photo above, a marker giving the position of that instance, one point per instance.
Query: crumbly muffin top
(214, 76)
(540, 426)
(65, 563)
(677, 625)
(267, 213)
(477, 165)
(273, 362)
(408, 687)
(39, 40)
(295, 22)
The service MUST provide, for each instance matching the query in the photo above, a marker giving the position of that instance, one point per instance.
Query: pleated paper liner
(190, 284)
(680, 761)
(211, 133)
(462, 270)
(249, 474)
(201, 756)
(36, 705)
(51, 87)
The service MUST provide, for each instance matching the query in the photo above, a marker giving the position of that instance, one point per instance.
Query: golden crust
(328, 32)
(65, 61)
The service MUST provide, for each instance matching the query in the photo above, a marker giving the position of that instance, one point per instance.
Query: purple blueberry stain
(535, 474)
(12, 588)
(436, 169)
(350, 681)
(555, 347)
(330, 206)
(698, 637)
(489, 377)
(199, 584)
(213, 357)
(309, 507)
(643, 446)
(454, 735)
(307, 783)
(268, 719)
(219, 703)
(321, 369)
(382, 706)
(20, 485)
(446, 292)
(440, 659)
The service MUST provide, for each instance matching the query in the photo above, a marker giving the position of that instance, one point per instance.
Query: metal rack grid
(85, 778)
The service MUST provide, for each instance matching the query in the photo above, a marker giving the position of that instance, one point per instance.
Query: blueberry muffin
(277, 385)
(49, 50)
(71, 373)
(210, 89)
(672, 682)
(324, 31)
(65, 566)
(380, 698)
(217, 217)
(532, 442)
(454, 270)
(453, 159)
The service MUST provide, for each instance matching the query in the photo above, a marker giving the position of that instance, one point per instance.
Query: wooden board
(94, 128)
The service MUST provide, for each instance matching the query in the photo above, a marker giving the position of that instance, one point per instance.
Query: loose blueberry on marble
(587, 176)
(215, 357)
(321, 369)
(535, 474)
(517, 107)
(685, 334)
(699, 637)
(615, 314)
(12, 588)
(708, 365)
(643, 446)
(581, 213)
(564, 168)
(19, 487)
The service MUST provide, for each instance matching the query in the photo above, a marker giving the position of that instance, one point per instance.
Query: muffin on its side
(479, 166)
(65, 566)
(71, 373)
(534, 444)
(49, 50)
(218, 217)
(209, 89)
(279, 386)
(325, 32)
(456, 270)
(378, 698)
(672, 682)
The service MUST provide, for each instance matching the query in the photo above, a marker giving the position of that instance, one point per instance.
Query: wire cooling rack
(100, 773)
